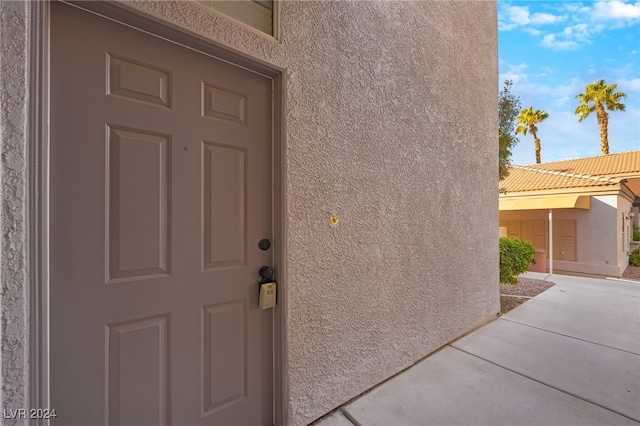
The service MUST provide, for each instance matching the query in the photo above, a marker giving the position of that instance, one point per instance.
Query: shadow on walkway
(569, 356)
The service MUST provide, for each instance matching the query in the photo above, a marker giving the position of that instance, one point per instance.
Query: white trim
(38, 206)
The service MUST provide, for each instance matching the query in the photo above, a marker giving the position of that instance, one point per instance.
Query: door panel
(137, 365)
(526, 230)
(224, 194)
(138, 200)
(557, 240)
(569, 240)
(564, 239)
(539, 234)
(513, 228)
(160, 192)
(225, 354)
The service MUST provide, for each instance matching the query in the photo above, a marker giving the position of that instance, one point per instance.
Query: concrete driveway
(570, 356)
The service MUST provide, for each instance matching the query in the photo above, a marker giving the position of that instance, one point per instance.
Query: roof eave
(614, 189)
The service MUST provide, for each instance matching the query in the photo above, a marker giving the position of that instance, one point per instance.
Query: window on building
(258, 14)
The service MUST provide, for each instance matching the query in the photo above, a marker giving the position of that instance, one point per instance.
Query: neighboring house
(154, 161)
(588, 205)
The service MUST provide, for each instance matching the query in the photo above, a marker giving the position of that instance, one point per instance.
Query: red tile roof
(622, 163)
(522, 179)
(598, 171)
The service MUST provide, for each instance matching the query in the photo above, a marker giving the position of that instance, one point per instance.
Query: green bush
(515, 257)
(634, 258)
(636, 234)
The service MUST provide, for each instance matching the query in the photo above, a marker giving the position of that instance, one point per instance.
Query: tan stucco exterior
(390, 123)
(600, 246)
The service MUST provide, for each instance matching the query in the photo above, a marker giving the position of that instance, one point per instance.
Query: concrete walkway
(569, 356)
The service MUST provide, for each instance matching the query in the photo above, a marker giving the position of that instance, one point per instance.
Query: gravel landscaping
(632, 272)
(512, 296)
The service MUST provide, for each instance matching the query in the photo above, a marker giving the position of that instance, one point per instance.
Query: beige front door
(161, 190)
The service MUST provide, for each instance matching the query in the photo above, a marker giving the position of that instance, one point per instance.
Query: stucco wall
(13, 256)
(391, 123)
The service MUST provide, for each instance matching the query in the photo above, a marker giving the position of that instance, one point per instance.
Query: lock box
(268, 295)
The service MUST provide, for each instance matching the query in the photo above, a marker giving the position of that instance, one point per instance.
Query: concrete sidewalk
(569, 356)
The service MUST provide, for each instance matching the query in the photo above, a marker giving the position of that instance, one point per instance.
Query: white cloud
(579, 32)
(519, 16)
(571, 38)
(569, 90)
(505, 27)
(514, 73)
(574, 8)
(533, 31)
(530, 90)
(616, 10)
(584, 21)
(621, 72)
(628, 85)
(546, 18)
(510, 76)
(551, 42)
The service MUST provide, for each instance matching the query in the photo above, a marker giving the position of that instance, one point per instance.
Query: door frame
(38, 199)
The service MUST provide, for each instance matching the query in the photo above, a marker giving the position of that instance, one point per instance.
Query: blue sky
(551, 50)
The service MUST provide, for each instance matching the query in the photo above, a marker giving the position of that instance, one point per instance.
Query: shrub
(636, 234)
(515, 257)
(634, 258)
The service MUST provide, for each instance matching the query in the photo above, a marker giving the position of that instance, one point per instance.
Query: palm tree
(596, 97)
(527, 120)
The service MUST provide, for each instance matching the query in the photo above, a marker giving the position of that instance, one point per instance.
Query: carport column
(550, 241)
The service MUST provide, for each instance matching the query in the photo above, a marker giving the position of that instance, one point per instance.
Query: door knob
(266, 273)
(264, 244)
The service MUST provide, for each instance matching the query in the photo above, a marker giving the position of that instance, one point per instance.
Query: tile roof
(526, 178)
(619, 164)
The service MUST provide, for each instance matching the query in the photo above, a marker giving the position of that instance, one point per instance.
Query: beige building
(157, 155)
(588, 206)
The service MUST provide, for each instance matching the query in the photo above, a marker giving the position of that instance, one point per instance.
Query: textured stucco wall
(391, 123)
(600, 246)
(13, 256)
(597, 239)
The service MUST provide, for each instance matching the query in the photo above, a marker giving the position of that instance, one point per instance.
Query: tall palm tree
(527, 120)
(596, 97)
